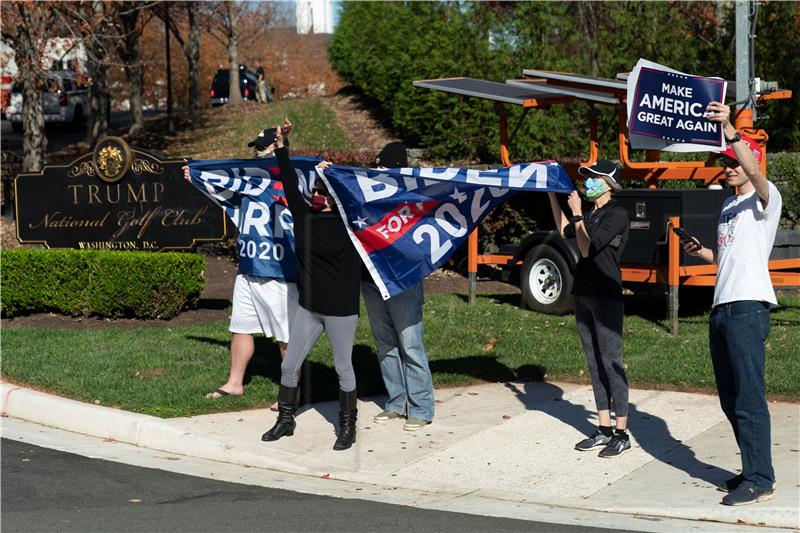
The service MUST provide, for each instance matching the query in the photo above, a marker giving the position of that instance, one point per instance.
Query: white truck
(64, 100)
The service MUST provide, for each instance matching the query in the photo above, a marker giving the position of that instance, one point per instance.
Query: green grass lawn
(166, 371)
(228, 130)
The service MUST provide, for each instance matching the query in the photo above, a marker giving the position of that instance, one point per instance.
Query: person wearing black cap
(264, 294)
(601, 235)
(739, 323)
(328, 270)
(396, 326)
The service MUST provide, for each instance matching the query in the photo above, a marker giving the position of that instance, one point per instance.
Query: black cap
(605, 169)
(265, 138)
(393, 155)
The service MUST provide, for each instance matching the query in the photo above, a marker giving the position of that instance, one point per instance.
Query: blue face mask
(594, 188)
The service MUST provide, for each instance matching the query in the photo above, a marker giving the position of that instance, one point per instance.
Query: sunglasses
(728, 162)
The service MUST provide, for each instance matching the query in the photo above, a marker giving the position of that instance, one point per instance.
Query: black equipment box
(649, 211)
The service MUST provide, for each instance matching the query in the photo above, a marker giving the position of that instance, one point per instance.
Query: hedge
(104, 283)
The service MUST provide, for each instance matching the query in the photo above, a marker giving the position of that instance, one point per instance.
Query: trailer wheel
(546, 281)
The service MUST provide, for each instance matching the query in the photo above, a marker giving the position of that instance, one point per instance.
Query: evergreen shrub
(103, 283)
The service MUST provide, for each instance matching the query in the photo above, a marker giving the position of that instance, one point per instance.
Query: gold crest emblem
(112, 159)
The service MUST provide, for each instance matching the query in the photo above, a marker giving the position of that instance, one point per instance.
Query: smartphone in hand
(685, 237)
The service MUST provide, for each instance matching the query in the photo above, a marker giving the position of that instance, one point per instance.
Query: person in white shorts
(264, 295)
(260, 305)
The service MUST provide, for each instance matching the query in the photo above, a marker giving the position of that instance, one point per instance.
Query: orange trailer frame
(784, 272)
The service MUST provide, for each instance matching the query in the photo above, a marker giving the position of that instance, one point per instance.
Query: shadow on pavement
(650, 432)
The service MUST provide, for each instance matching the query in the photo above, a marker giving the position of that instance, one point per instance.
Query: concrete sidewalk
(509, 443)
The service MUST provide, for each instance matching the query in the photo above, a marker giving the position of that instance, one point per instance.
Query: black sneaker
(730, 485)
(616, 447)
(597, 439)
(747, 493)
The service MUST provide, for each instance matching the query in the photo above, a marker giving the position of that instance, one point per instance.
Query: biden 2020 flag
(667, 109)
(251, 193)
(406, 222)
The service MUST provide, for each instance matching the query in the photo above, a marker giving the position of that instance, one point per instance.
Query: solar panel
(576, 78)
(490, 90)
(591, 96)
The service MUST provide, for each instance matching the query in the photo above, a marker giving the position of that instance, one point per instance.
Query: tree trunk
(134, 70)
(587, 13)
(192, 52)
(135, 75)
(28, 45)
(99, 98)
(34, 141)
(233, 61)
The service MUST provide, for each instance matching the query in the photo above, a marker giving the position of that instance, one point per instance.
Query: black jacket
(328, 266)
(599, 274)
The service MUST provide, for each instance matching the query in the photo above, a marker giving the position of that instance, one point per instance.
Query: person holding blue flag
(601, 235)
(328, 284)
(396, 326)
(265, 294)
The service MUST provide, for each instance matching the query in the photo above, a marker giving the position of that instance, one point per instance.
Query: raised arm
(291, 186)
(720, 113)
(581, 235)
(558, 215)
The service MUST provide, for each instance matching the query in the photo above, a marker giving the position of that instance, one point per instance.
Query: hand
(278, 137)
(185, 172)
(692, 247)
(720, 113)
(574, 203)
(287, 127)
(323, 165)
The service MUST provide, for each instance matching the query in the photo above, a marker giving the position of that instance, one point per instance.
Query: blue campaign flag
(406, 222)
(670, 107)
(251, 193)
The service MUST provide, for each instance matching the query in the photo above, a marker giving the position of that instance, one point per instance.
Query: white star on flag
(360, 222)
(458, 196)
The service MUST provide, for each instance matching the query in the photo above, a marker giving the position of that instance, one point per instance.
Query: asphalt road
(49, 490)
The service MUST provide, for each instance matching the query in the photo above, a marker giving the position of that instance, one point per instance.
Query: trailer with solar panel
(543, 262)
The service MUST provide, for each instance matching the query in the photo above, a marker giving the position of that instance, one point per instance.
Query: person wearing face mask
(601, 235)
(264, 294)
(328, 282)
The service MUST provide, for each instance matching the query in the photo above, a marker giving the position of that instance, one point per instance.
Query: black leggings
(599, 323)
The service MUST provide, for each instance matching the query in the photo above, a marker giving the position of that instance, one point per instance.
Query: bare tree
(190, 44)
(588, 13)
(26, 26)
(225, 21)
(132, 16)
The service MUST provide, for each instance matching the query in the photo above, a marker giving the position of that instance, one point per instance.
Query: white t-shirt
(745, 234)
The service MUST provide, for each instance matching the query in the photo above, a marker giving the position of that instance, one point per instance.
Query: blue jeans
(736, 332)
(396, 325)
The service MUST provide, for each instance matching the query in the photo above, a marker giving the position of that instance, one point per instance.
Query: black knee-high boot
(287, 405)
(347, 420)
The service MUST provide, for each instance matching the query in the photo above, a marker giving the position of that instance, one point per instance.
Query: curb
(147, 431)
(154, 433)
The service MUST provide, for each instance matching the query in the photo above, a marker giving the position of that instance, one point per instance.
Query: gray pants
(305, 329)
(599, 322)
